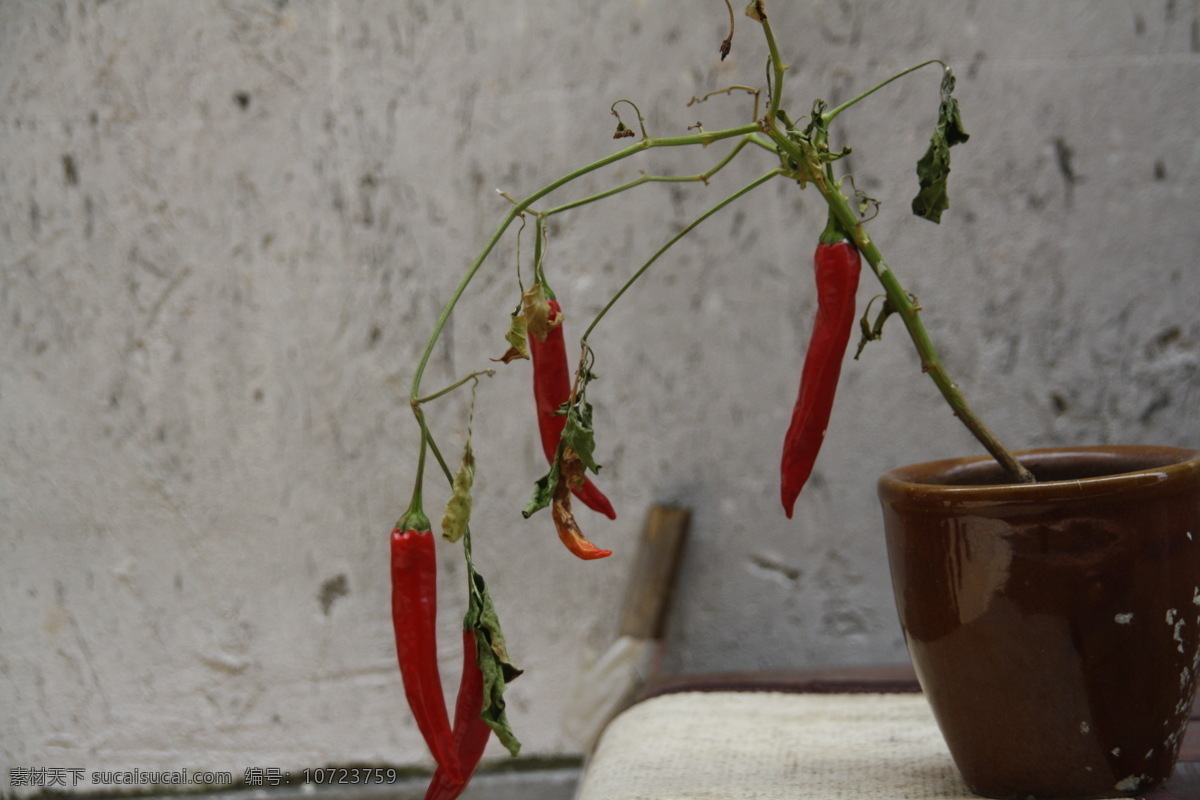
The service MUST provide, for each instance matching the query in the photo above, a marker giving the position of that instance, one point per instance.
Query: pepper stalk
(811, 157)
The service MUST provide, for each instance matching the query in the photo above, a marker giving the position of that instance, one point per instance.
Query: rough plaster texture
(227, 227)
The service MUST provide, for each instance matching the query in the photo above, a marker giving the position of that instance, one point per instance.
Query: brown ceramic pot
(1055, 627)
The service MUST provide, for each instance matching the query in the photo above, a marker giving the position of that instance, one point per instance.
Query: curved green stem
(441, 392)
(701, 178)
(829, 115)
(633, 279)
(703, 138)
(636, 110)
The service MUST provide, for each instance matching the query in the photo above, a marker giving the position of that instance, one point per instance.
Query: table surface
(1185, 785)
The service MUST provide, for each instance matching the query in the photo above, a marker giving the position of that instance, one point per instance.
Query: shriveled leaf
(570, 469)
(518, 344)
(755, 10)
(536, 311)
(543, 492)
(933, 169)
(498, 670)
(579, 436)
(458, 507)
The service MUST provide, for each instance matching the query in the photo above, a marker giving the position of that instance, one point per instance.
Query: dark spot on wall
(1160, 170)
(331, 590)
(258, 395)
(1064, 155)
(1169, 336)
(1059, 403)
(777, 567)
(1160, 402)
(242, 99)
(70, 171)
(1139, 25)
(374, 335)
(976, 62)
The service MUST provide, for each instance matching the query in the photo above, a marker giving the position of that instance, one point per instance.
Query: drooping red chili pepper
(552, 388)
(837, 265)
(414, 618)
(471, 732)
(568, 529)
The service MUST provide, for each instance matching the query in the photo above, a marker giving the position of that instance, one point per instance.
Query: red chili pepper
(837, 264)
(568, 530)
(552, 388)
(414, 618)
(470, 731)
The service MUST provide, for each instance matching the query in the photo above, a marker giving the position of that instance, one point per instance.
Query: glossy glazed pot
(1054, 627)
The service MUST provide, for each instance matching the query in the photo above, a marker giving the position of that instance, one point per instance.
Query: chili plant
(799, 151)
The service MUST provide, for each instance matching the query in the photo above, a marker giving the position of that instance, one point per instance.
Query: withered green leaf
(543, 492)
(536, 310)
(579, 435)
(933, 169)
(494, 662)
(458, 508)
(518, 343)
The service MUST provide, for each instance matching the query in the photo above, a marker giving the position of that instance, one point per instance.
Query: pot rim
(1163, 463)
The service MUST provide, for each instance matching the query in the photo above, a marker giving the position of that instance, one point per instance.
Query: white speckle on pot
(1130, 783)
(1124, 619)
(1084, 727)
(1149, 753)
(1189, 535)
(1116, 751)
(1196, 595)
(1174, 620)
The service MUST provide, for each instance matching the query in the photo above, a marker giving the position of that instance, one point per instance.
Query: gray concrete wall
(226, 229)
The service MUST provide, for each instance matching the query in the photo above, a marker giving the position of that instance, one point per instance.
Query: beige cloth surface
(773, 746)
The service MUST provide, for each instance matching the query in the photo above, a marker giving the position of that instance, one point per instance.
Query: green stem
(437, 454)
(633, 279)
(703, 177)
(703, 138)
(778, 67)
(829, 115)
(415, 512)
(441, 392)
(539, 242)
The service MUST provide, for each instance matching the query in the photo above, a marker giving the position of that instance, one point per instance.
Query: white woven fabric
(773, 746)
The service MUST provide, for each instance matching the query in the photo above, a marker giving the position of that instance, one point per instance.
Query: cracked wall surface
(227, 229)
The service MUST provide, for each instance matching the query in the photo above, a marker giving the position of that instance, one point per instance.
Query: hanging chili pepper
(414, 618)
(837, 265)
(471, 732)
(552, 388)
(564, 518)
